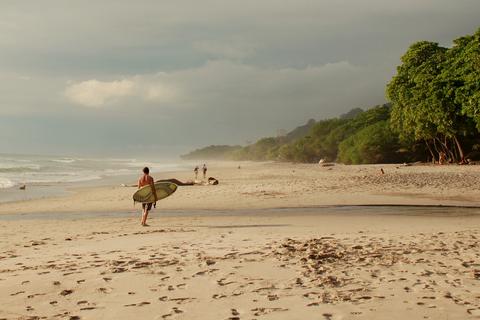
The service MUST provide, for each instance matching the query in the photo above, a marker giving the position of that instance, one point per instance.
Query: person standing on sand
(204, 169)
(146, 180)
(196, 172)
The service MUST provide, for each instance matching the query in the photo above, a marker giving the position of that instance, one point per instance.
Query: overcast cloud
(118, 77)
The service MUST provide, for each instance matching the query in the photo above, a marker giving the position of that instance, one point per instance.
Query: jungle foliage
(433, 114)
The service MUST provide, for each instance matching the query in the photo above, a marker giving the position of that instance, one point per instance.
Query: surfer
(146, 180)
(204, 169)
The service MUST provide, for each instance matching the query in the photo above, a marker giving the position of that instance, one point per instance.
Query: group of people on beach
(204, 170)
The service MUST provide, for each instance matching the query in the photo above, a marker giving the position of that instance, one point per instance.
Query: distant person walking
(196, 172)
(146, 180)
(204, 169)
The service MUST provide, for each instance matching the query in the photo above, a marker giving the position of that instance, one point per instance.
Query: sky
(117, 77)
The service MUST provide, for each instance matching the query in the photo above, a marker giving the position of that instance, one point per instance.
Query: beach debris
(210, 262)
(328, 164)
(212, 181)
(382, 171)
(23, 187)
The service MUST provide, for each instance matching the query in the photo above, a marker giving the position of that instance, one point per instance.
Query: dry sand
(261, 264)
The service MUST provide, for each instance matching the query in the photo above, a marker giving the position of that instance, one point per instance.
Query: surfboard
(145, 194)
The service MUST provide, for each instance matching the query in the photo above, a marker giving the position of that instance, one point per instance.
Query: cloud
(94, 93)
(226, 85)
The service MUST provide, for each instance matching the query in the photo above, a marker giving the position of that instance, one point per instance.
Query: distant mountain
(301, 131)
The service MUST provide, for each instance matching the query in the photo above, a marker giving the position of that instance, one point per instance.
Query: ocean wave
(54, 179)
(19, 168)
(45, 170)
(64, 160)
(118, 172)
(6, 183)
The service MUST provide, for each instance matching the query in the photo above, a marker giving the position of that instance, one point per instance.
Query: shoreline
(274, 185)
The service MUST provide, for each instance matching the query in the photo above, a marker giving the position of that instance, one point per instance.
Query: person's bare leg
(145, 216)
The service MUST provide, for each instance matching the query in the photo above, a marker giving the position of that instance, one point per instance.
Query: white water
(17, 170)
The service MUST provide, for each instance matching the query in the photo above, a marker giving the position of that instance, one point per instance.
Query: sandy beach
(269, 242)
(274, 185)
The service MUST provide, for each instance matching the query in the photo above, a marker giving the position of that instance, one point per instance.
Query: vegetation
(433, 114)
(211, 152)
(436, 97)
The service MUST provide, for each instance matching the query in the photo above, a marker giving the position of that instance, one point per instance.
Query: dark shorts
(147, 205)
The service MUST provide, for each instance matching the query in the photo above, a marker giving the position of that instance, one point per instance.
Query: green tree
(376, 143)
(423, 100)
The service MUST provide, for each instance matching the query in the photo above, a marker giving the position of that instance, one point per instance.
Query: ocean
(34, 170)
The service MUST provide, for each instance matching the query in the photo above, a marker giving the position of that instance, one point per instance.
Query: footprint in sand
(263, 311)
(175, 310)
(141, 304)
(327, 316)
(66, 292)
(104, 290)
(87, 308)
(272, 297)
(182, 300)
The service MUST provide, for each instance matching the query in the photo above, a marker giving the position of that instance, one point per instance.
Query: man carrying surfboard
(146, 180)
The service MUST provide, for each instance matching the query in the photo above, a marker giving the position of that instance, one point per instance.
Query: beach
(271, 241)
(274, 185)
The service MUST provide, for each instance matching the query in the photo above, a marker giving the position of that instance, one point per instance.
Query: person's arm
(138, 184)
